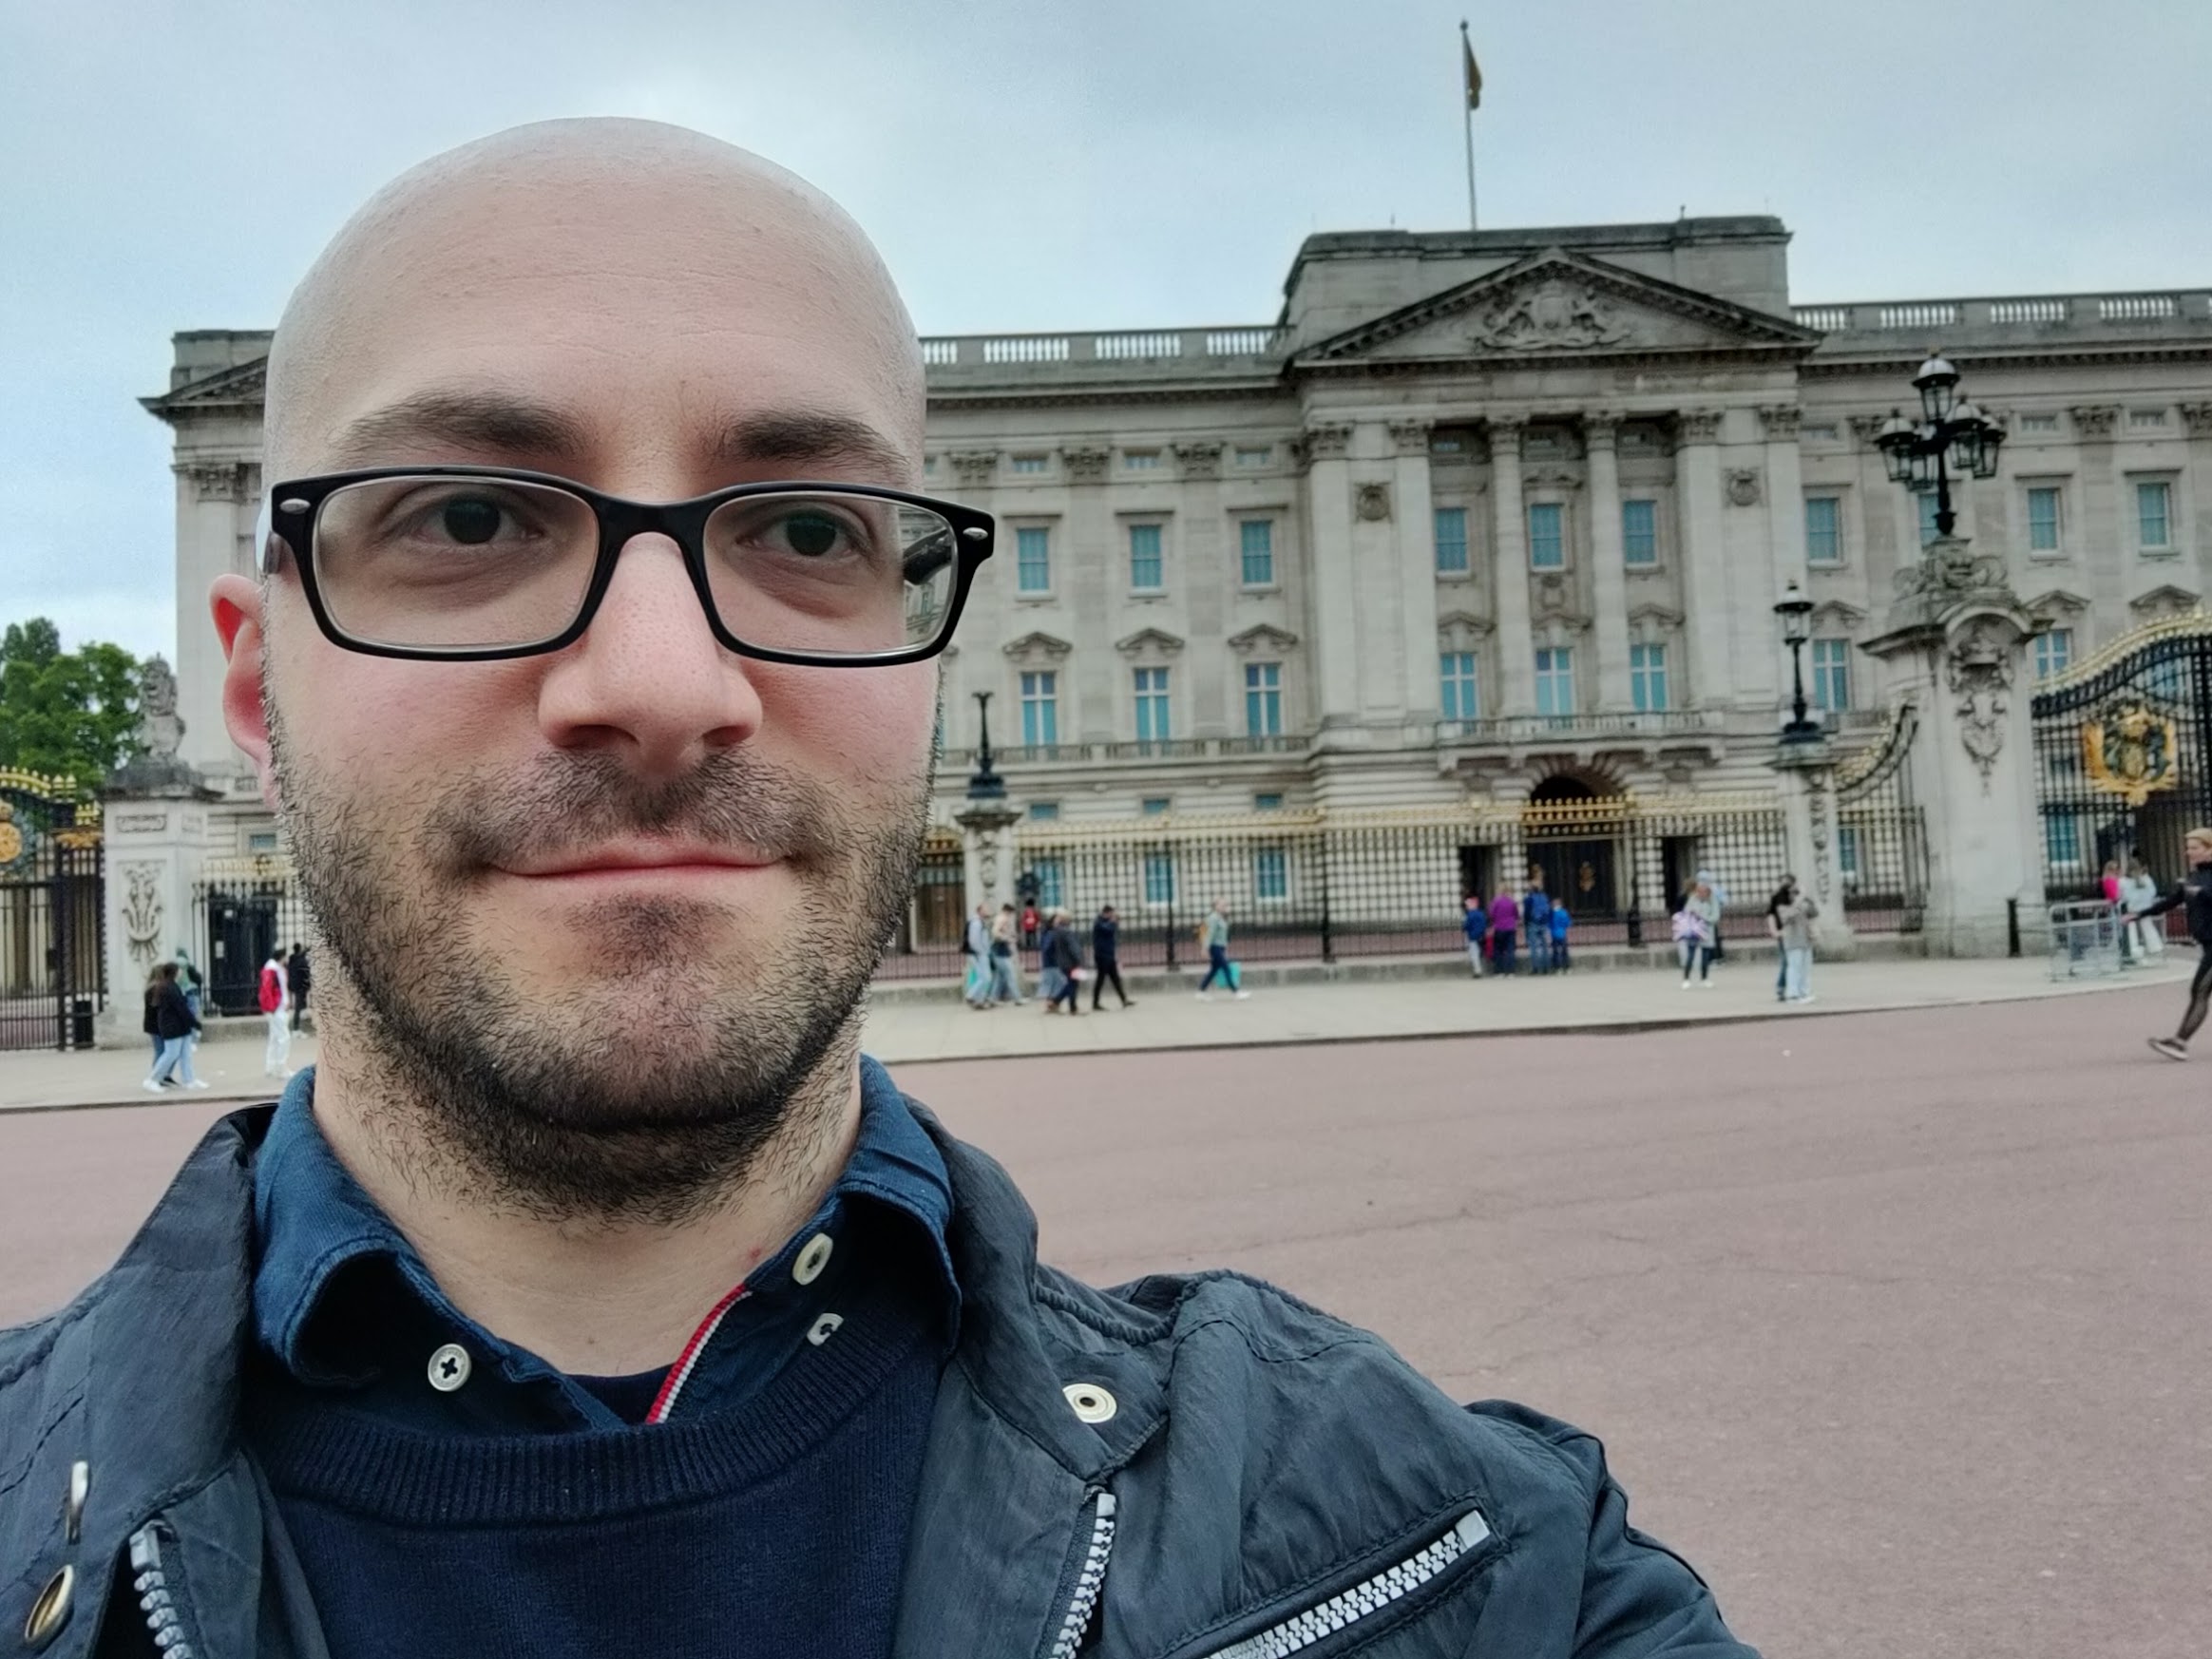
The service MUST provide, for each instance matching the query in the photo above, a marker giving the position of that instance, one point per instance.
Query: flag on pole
(1474, 71)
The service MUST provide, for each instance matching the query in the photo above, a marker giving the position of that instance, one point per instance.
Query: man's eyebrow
(812, 439)
(498, 423)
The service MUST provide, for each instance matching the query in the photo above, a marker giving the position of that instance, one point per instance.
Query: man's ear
(236, 603)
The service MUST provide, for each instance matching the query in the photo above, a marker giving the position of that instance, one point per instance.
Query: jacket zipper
(165, 1624)
(1364, 1599)
(1090, 1580)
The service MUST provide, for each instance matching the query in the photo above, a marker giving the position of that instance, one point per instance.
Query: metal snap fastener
(449, 1367)
(73, 1510)
(50, 1611)
(1091, 1403)
(814, 1258)
(823, 1326)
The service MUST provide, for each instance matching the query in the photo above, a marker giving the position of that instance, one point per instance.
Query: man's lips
(641, 857)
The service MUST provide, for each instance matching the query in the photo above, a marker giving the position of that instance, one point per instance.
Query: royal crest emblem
(2131, 753)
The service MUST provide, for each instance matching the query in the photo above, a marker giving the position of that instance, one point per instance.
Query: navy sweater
(776, 1527)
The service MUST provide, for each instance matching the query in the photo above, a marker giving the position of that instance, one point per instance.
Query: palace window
(1031, 463)
(1140, 460)
(1457, 685)
(1146, 571)
(1254, 454)
(1263, 699)
(1639, 532)
(1040, 708)
(1154, 806)
(2153, 519)
(1847, 855)
(1824, 529)
(1152, 705)
(2062, 841)
(2039, 423)
(1928, 529)
(1831, 675)
(1647, 677)
(2053, 652)
(1043, 812)
(1270, 873)
(1555, 680)
(1256, 548)
(1451, 540)
(1547, 536)
(1160, 878)
(2043, 519)
(1033, 559)
(1268, 803)
(2141, 419)
(1049, 885)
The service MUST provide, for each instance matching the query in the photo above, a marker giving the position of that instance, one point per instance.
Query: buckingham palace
(1480, 519)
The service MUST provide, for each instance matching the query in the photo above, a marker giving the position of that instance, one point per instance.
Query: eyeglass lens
(459, 565)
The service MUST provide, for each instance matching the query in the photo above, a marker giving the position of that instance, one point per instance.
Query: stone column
(1509, 546)
(1706, 597)
(1813, 847)
(986, 826)
(1417, 570)
(2196, 417)
(1609, 574)
(155, 846)
(1785, 536)
(2101, 523)
(1956, 643)
(216, 501)
(1334, 625)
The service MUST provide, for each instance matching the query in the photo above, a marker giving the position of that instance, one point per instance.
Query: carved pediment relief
(2161, 602)
(1557, 302)
(1262, 641)
(1038, 647)
(1148, 642)
(2059, 604)
(1653, 615)
(1463, 630)
(1834, 617)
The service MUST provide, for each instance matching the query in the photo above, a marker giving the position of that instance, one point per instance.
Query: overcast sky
(1039, 165)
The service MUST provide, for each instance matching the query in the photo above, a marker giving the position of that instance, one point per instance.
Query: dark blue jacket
(1159, 1472)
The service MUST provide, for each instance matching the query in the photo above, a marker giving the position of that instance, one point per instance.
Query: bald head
(591, 268)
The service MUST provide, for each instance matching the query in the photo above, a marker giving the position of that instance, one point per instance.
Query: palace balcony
(1668, 734)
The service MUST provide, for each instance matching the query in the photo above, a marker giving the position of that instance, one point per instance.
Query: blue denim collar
(342, 1299)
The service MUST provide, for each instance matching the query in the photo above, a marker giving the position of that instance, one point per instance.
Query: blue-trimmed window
(1264, 699)
(1033, 559)
(2043, 519)
(2154, 527)
(1040, 708)
(1547, 536)
(1270, 873)
(1047, 872)
(1451, 529)
(1928, 529)
(1832, 674)
(1256, 550)
(1639, 532)
(1647, 677)
(1455, 685)
(1555, 680)
(1043, 812)
(1268, 803)
(1160, 878)
(1824, 529)
(2053, 652)
(1152, 705)
(1147, 573)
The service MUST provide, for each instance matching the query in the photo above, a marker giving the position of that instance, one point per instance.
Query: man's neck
(590, 1297)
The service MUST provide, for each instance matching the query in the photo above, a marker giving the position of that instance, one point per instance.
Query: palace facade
(1500, 515)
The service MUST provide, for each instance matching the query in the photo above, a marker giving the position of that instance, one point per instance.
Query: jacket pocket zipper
(150, 1579)
(1366, 1599)
(1090, 1579)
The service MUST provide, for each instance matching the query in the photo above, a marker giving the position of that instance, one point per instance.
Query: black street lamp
(985, 784)
(1953, 437)
(1796, 612)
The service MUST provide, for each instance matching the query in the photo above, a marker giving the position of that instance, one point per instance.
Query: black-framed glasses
(475, 564)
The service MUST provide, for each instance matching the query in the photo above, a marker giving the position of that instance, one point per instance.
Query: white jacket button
(1091, 1403)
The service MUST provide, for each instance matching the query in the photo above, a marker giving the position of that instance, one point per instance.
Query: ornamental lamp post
(1953, 437)
(1796, 612)
(985, 784)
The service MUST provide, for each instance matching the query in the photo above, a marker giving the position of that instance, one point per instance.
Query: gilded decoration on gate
(12, 842)
(2131, 753)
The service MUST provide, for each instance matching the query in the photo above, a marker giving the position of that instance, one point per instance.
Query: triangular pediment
(1554, 304)
(243, 387)
(1148, 642)
(2167, 601)
(1262, 637)
(1038, 645)
(2057, 601)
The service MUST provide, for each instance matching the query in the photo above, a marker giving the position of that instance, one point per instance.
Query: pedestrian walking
(175, 1025)
(1537, 924)
(1106, 957)
(299, 976)
(1005, 965)
(2193, 895)
(1696, 925)
(275, 1003)
(1213, 934)
(1475, 924)
(194, 986)
(1065, 946)
(1774, 908)
(1051, 977)
(1560, 923)
(974, 950)
(152, 1025)
(1716, 948)
(1797, 912)
(1504, 931)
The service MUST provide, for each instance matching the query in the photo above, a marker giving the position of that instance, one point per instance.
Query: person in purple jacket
(1505, 931)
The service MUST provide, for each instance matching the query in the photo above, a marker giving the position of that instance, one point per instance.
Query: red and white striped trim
(679, 1373)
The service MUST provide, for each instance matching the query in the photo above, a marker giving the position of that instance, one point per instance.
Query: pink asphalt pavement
(1898, 1325)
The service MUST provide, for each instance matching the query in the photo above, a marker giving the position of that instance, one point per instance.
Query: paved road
(1899, 1325)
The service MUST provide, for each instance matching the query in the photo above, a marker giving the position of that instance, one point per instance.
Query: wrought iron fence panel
(1882, 835)
(52, 955)
(242, 917)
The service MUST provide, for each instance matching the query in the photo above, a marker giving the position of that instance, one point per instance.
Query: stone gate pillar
(1814, 849)
(1954, 645)
(986, 831)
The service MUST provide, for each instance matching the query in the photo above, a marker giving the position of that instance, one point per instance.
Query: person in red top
(275, 1001)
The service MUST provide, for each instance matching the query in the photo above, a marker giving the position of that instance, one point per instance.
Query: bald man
(594, 1295)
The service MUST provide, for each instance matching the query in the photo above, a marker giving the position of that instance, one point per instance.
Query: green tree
(68, 713)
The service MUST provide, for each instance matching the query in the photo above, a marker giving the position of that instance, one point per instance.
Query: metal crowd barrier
(2084, 939)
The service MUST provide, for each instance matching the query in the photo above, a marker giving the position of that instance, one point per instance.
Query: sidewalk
(909, 1030)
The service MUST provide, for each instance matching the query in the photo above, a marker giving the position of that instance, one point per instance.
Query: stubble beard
(677, 1067)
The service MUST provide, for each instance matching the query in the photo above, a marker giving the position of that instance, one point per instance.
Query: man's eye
(471, 521)
(812, 534)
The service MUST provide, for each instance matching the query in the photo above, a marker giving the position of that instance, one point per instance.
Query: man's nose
(648, 680)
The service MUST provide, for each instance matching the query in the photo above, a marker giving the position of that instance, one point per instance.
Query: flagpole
(1467, 115)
